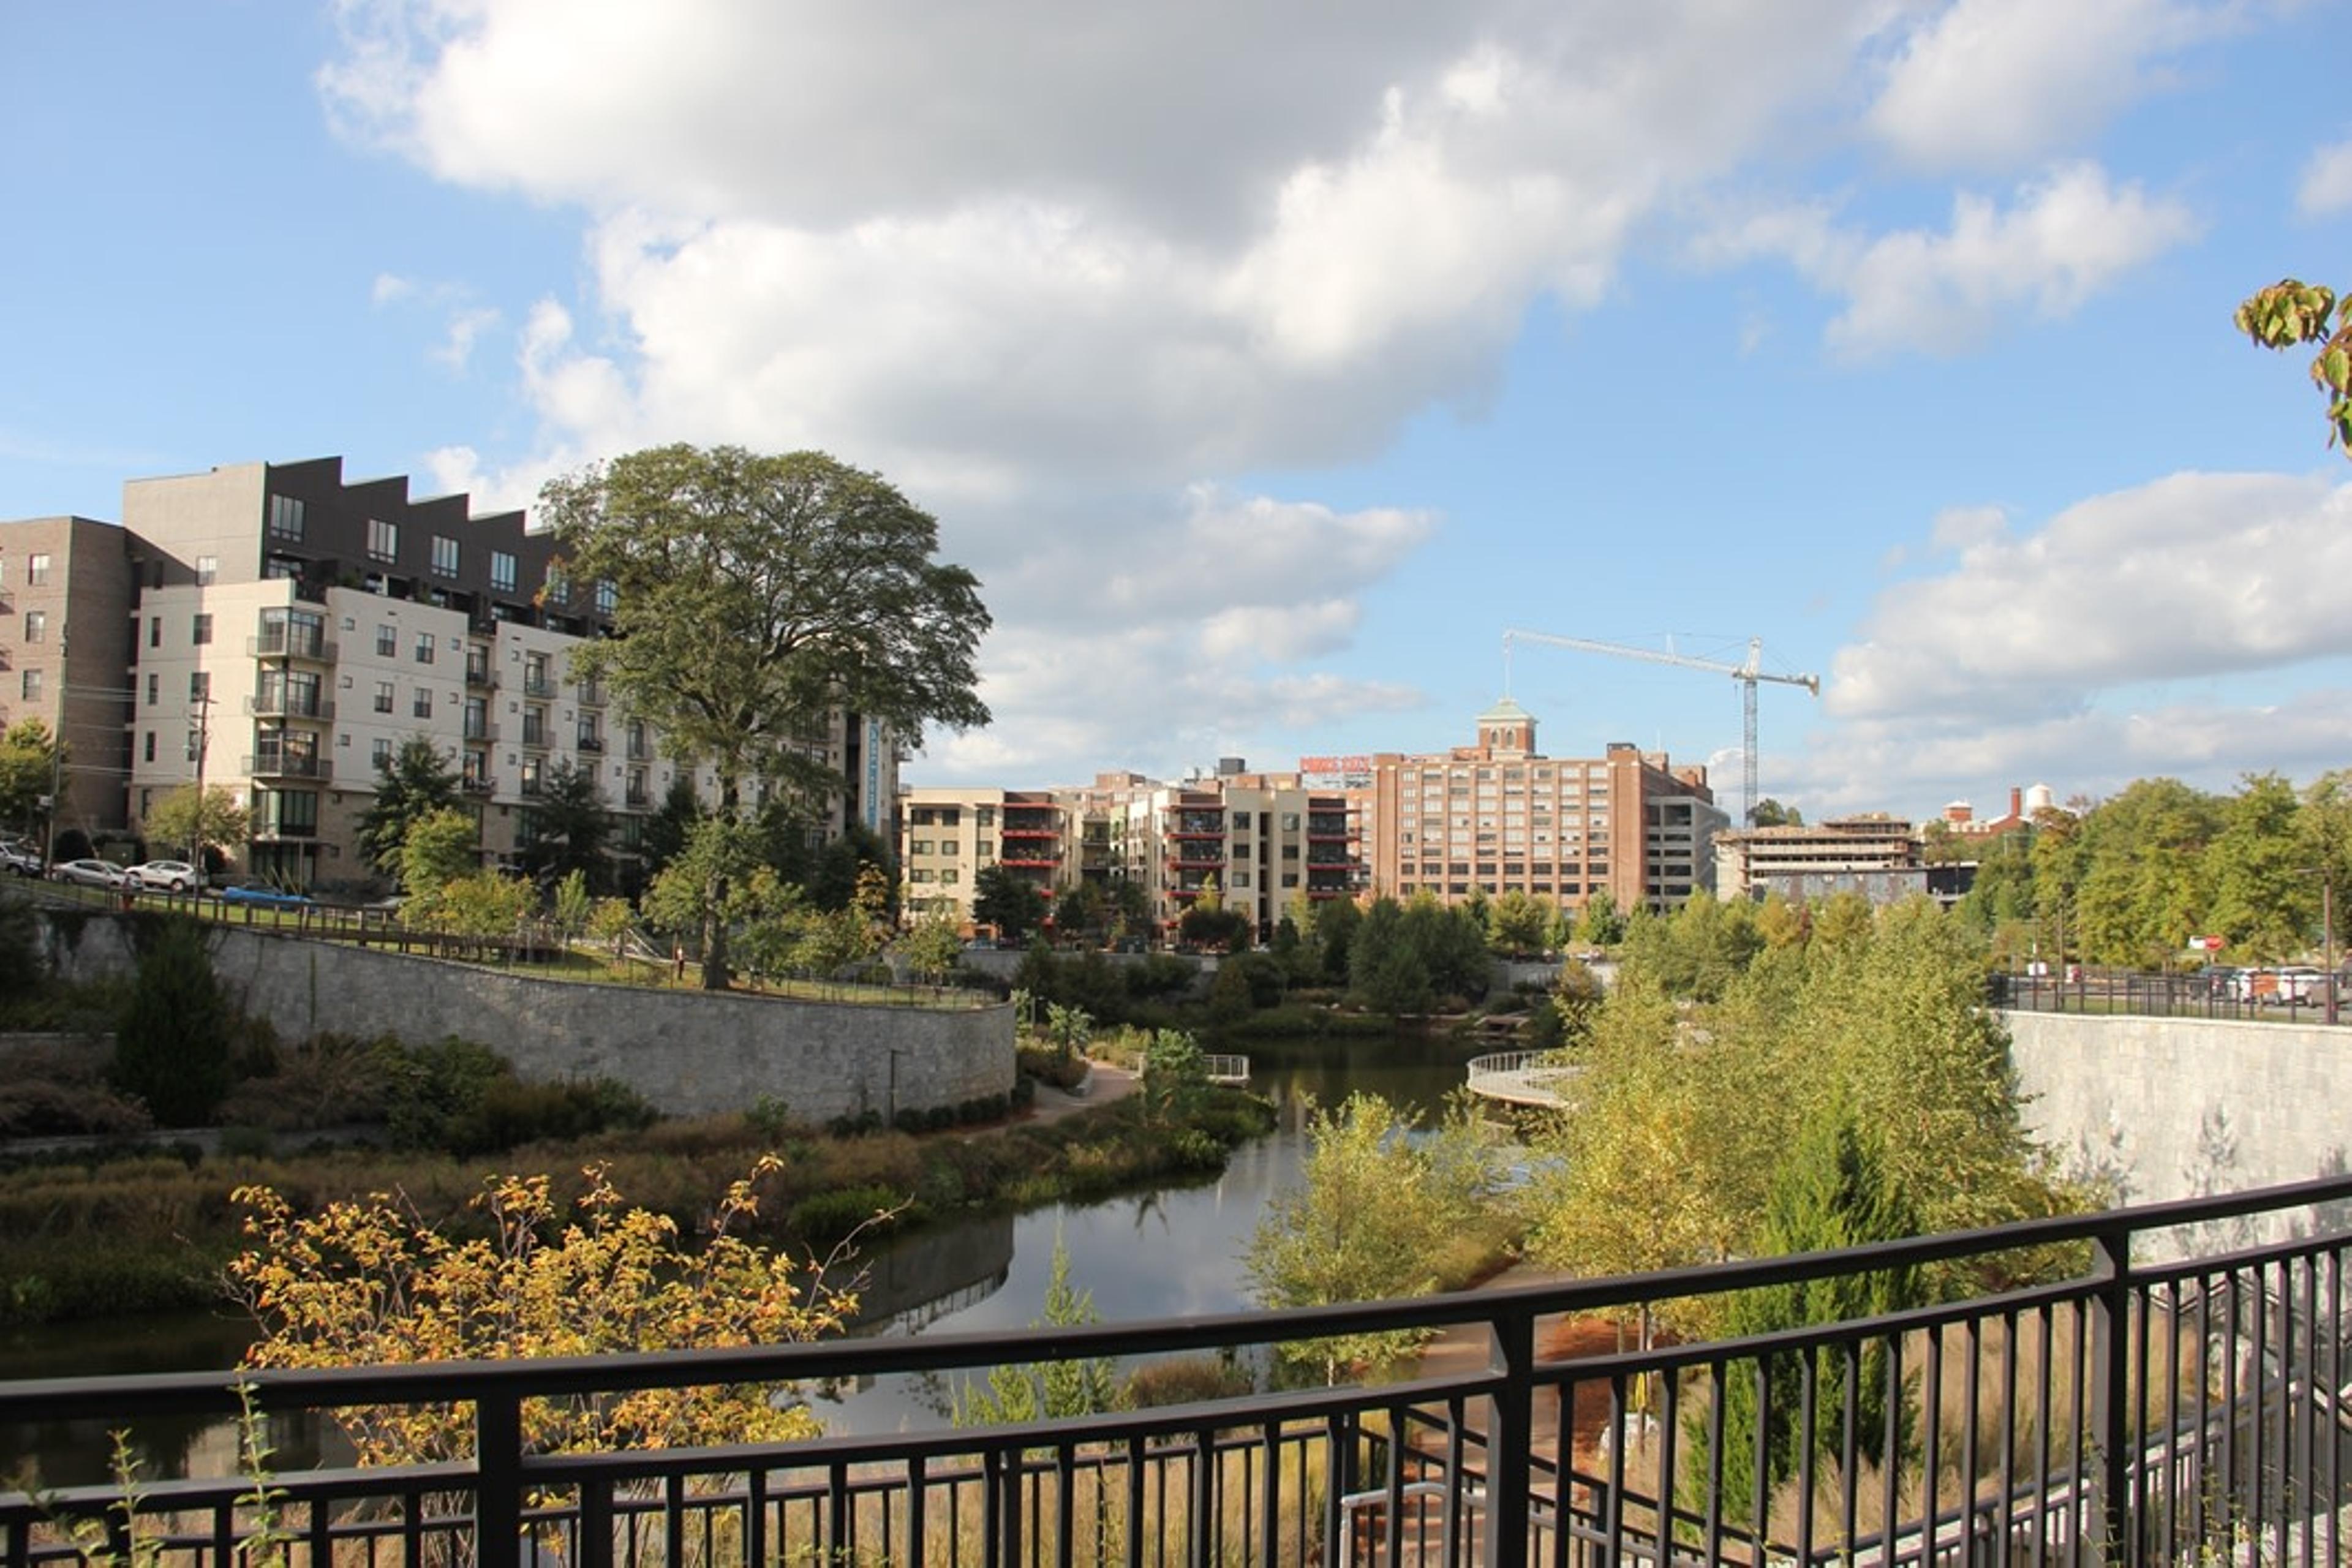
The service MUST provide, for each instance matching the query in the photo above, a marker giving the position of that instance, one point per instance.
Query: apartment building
(1859, 850)
(65, 592)
(301, 627)
(1260, 840)
(1499, 816)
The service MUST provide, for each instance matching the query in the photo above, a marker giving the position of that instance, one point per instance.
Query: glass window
(425, 648)
(445, 556)
(207, 568)
(387, 641)
(151, 745)
(502, 571)
(380, 754)
(558, 591)
(949, 877)
(31, 686)
(201, 632)
(608, 597)
(285, 517)
(919, 847)
(36, 572)
(154, 631)
(36, 625)
(383, 540)
(383, 695)
(200, 686)
(288, 811)
(154, 689)
(422, 706)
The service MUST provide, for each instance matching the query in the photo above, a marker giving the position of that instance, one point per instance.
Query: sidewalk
(1104, 1083)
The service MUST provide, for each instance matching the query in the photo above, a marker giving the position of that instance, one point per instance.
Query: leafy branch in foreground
(2290, 312)
(371, 1283)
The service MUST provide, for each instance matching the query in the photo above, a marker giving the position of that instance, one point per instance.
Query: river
(1168, 1252)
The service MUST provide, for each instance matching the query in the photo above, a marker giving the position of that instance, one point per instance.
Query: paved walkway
(1104, 1083)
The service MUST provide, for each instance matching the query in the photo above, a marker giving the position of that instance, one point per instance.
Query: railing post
(498, 1480)
(2110, 1397)
(1509, 1473)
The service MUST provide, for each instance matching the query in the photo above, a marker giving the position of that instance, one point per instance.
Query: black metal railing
(2252, 996)
(2133, 1411)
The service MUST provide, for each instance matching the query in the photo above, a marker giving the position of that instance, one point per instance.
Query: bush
(172, 1047)
(1187, 1380)
(828, 1218)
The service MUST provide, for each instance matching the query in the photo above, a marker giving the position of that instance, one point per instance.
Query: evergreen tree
(172, 1045)
(569, 826)
(417, 781)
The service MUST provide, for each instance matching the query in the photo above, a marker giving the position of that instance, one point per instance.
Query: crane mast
(1748, 672)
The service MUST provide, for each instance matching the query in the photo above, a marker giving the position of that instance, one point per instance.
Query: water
(1171, 1252)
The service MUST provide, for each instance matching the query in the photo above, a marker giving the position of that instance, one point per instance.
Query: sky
(1268, 363)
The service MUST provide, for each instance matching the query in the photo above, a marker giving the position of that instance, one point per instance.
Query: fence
(2168, 995)
(2188, 1411)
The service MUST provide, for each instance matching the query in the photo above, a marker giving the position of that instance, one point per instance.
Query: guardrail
(1523, 1078)
(2165, 996)
(2188, 1410)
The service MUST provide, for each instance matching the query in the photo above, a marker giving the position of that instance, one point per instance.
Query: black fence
(2137, 1411)
(2253, 996)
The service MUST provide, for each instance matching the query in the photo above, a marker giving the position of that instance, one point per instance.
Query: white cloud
(1963, 527)
(2193, 576)
(390, 289)
(2004, 84)
(2326, 187)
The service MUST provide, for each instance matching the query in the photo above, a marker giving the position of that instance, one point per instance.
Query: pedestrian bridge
(1539, 1078)
(1227, 1069)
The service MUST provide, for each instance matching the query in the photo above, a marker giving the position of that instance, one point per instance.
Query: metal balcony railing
(288, 765)
(281, 644)
(2130, 1411)
(289, 705)
(535, 737)
(538, 686)
(588, 743)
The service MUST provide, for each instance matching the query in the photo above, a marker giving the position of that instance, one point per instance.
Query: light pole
(2327, 934)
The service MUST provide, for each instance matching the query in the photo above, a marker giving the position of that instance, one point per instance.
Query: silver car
(88, 873)
(175, 875)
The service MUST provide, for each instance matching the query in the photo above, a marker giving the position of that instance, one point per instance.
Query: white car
(20, 859)
(88, 873)
(174, 876)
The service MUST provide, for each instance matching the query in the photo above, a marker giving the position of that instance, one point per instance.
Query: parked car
(255, 891)
(176, 876)
(20, 859)
(88, 873)
(2298, 983)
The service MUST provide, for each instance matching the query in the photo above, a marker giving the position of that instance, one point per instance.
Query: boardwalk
(1523, 1078)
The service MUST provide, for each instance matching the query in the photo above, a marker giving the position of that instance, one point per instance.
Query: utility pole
(57, 742)
(199, 740)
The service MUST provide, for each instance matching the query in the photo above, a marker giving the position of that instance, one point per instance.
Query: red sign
(1335, 765)
(2208, 943)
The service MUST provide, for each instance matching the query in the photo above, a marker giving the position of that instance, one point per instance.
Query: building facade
(293, 630)
(1499, 816)
(1857, 851)
(65, 647)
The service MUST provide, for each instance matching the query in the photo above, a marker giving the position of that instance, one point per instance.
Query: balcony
(281, 764)
(284, 642)
(481, 678)
(531, 787)
(535, 737)
(477, 784)
(1029, 859)
(483, 733)
(290, 705)
(539, 686)
(2151, 1412)
(635, 798)
(592, 694)
(587, 742)
(1211, 825)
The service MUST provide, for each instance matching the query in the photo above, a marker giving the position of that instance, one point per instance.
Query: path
(1104, 1083)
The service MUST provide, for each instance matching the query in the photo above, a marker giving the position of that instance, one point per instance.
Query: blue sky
(1269, 367)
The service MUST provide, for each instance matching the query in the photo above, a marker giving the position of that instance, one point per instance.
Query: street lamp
(2327, 932)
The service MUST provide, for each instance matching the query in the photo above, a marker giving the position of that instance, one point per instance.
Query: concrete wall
(2176, 1108)
(689, 1054)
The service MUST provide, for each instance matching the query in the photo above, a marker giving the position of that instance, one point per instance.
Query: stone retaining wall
(688, 1053)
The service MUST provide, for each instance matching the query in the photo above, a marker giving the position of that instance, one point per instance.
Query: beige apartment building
(301, 627)
(1796, 861)
(1261, 840)
(1499, 816)
(65, 647)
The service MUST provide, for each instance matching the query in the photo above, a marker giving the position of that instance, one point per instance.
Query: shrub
(1187, 1380)
(172, 1047)
(828, 1218)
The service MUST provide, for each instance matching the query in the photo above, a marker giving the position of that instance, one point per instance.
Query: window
(285, 518)
(919, 847)
(425, 648)
(290, 813)
(151, 745)
(920, 874)
(502, 571)
(154, 631)
(36, 625)
(32, 686)
(949, 877)
(985, 848)
(383, 695)
(422, 706)
(445, 556)
(154, 689)
(202, 631)
(558, 592)
(387, 641)
(383, 540)
(200, 686)
(477, 718)
(381, 754)
(608, 597)
(36, 572)
(1241, 822)
(207, 568)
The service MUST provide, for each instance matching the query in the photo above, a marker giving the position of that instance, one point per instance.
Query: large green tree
(752, 595)
(417, 781)
(197, 821)
(570, 824)
(1007, 901)
(28, 769)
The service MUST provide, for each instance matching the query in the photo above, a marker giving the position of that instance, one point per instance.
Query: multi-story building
(301, 628)
(64, 594)
(1798, 860)
(1499, 816)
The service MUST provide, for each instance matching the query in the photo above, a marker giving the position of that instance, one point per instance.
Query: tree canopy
(417, 782)
(753, 593)
(28, 765)
(209, 823)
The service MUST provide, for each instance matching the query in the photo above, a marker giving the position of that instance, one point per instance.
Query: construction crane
(1747, 672)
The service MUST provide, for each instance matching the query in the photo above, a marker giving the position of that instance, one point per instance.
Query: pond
(1166, 1252)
